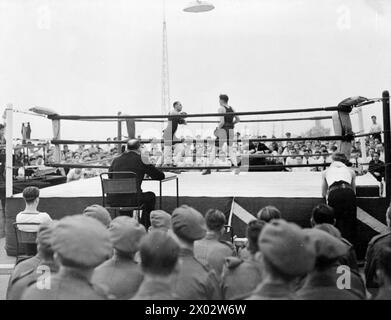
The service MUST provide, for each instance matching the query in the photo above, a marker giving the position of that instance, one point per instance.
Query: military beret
(160, 220)
(126, 233)
(82, 241)
(44, 235)
(188, 224)
(99, 213)
(326, 245)
(287, 247)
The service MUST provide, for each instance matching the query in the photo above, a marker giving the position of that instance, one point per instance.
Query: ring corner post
(387, 142)
(119, 133)
(56, 127)
(8, 151)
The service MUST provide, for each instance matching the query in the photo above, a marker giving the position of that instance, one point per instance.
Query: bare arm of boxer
(353, 181)
(236, 118)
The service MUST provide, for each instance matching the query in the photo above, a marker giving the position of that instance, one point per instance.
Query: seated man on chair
(131, 160)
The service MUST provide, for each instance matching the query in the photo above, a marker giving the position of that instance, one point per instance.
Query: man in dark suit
(133, 161)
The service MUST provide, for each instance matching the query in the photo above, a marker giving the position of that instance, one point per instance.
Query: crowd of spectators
(184, 255)
(196, 152)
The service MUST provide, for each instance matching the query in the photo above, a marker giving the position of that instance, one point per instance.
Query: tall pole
(119, 133)
(387, 141)
(8, 151)
(165, 103)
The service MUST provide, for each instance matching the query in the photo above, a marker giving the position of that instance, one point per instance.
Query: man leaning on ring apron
(339, 190)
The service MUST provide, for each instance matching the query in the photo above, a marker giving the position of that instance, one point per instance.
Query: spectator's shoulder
(227, 244)
(379, 237)
(23, 275)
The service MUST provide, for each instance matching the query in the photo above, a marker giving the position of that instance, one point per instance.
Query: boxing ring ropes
(131, 120)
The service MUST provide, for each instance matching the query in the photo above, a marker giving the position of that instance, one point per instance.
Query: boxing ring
(239, 196)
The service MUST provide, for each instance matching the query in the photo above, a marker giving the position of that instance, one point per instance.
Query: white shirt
(375, 128)
(338, 171)
(27, 217)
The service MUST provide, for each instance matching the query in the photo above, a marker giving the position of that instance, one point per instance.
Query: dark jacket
(155, 290)
(20, 283)
(240, 277)
(66, 286)
(371, 260)
(322, 285)
(195, 281)
(120, 276)
(384, 294)
(133, 161)
(213, 252)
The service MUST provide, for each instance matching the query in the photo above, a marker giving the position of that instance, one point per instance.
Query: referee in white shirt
(339, 190)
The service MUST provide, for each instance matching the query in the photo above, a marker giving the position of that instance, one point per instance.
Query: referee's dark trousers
(342, 199)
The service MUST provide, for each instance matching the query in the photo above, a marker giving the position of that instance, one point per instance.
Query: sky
(98, 57)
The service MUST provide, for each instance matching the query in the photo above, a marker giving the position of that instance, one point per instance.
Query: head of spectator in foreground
(327, 247)
(268, 214)
(322, 213)
(215, 222)
(160, 220)
(81, 243)
(99, 213)
(133, 145)
(159, 254)
(44, 245)
(31, 197)
(126, 234)
(339, 157)
(253, 231)
(383, 271)
(188, 226)
(288, 252)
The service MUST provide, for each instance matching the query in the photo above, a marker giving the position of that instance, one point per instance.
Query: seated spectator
(376, 167)
(323, 218)
(212, 249)
(31, 214)
(80, 244)
(159, 262)
(195, 281)
(121, 275)
(242, 275)
(375, 246)
(19, 281)
(268, 214)
(288, 254)
(160, 220)
(99, 213)
(384, 274)
(322, 282)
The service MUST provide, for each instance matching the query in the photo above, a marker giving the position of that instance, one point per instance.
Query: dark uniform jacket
(66, 286)
(195, 281)
(371, 260)
(213, 252)
(322, 285)
(155, 290)
(19, 284)
(349, 259)
(272, 291)
(120, 276)
(384, 294)
(132, 161)
(240, 277)
(23, 267)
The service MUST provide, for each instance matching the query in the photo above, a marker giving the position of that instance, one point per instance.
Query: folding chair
(26, 245)
(117, 186)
